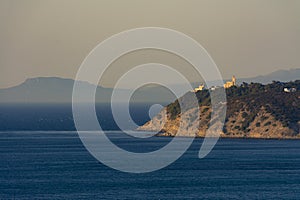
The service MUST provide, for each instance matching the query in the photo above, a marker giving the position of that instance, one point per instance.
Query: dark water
(55, 165)
(59, 117)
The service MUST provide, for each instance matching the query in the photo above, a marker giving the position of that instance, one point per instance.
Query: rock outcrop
(253, 111)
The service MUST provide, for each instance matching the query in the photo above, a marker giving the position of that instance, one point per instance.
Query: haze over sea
(55, 165)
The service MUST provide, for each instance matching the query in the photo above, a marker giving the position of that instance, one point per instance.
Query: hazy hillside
(280, 75)
(59, 90)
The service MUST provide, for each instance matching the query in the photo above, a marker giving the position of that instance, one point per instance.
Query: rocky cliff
(253, 111)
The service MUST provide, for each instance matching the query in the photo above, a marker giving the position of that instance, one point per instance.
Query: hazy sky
(51, 38)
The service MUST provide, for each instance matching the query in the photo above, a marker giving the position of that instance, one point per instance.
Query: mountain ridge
(59, 90)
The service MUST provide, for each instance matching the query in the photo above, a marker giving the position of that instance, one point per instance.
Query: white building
(289, 89)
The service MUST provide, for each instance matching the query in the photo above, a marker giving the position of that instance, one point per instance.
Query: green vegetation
(285, 107)
(173, 110)
(244, 114)
(268, 123)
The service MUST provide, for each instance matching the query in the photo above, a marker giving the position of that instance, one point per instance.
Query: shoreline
(232, 137)
(245, 138)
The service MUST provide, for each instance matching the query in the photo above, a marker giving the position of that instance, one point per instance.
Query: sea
(54, 164)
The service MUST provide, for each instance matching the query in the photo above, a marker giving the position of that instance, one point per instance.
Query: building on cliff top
(228, 84)
(201, 87)
(289, 89)
(231, 83)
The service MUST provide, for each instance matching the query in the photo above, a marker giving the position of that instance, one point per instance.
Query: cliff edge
(253, 111)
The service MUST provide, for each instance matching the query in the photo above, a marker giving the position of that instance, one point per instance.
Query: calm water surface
(55, 165)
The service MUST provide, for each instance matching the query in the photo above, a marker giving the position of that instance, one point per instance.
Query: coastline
(162, 134)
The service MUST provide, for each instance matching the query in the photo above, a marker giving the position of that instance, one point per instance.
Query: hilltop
(59, 90)
(254, 110)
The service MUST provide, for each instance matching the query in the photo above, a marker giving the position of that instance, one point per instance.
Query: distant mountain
(59, 90)
(43, 90)
(280, 75)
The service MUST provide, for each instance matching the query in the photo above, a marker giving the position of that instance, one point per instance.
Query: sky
(52, 37)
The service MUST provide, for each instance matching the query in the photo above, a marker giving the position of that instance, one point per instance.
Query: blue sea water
(55, 165)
